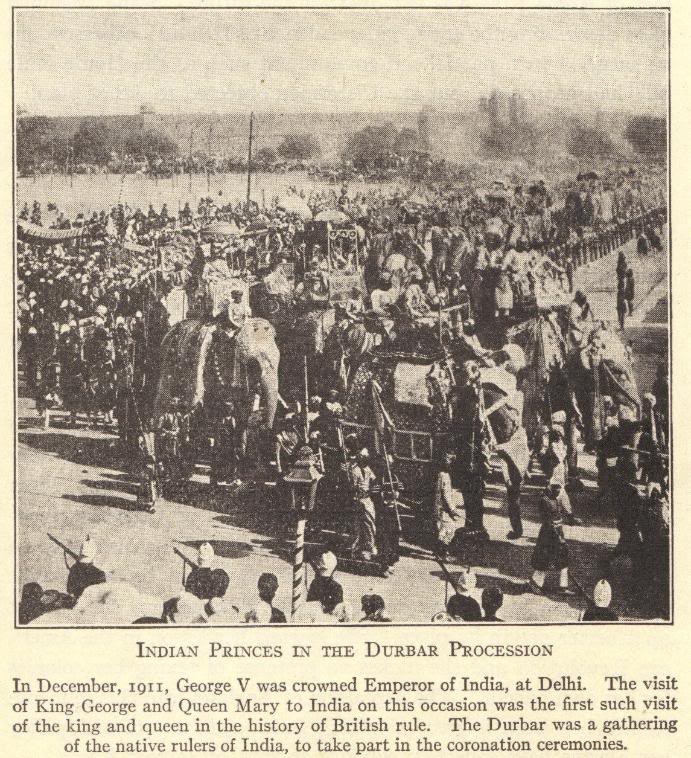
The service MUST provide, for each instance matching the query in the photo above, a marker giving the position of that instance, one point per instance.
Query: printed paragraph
(358, 715)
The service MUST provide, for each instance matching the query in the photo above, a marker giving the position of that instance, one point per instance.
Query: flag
(383, 425)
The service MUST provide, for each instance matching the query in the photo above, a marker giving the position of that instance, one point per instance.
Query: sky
(94, 62)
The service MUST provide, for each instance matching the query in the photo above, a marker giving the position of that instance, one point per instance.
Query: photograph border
(666, 9)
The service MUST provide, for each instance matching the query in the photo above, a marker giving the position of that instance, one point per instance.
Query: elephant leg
(241, 444)
(574, 480)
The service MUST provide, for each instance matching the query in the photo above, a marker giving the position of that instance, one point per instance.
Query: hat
(64, 328)
(326, 563)
(206, 554)
(465, 580)
(559, 417)
(119, 321)
(87, 551)
(602, 594)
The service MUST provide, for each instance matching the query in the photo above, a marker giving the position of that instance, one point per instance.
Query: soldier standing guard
(362, 477)
(448, 506)
(172, 431)
(147, 494)
(223, 456)
(471, 439)
(385, 491)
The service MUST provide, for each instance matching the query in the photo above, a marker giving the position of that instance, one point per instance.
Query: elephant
(318, 336)
(572, 380)
(210, 370)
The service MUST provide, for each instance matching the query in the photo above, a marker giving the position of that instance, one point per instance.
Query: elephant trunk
(269, 394)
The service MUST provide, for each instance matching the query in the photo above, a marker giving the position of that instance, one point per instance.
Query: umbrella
(414, 200)
(332, 215)
(221, 229)
(295, 204)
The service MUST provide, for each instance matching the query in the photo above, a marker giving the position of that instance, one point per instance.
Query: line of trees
(97, 141)
(294, 147)
(39, 140)
(647, 134)
(381, 146)
(583, 141)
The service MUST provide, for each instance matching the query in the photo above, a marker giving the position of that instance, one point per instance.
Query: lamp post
(302, 479)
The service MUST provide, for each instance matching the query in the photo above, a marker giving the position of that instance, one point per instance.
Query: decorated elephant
(601, 367)
(574, 378)
(207, 372)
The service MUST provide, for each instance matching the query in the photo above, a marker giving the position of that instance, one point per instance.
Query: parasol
(414, 200)
(221, 229)
(295, 204)
(332, 215)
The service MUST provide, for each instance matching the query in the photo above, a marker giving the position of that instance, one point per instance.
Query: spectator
(30, 605)
(373, 608)
(199, 581)
(462, 606)
(268, 586)
(83, 573)
(324, 568)
(600, 610)
(327, 608)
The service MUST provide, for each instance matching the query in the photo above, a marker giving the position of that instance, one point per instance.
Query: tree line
(99, 142)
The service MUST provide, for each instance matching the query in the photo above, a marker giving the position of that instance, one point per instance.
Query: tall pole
(307, 398)
(208, 158)
(249, 161)
(189, 165)
(298, 560)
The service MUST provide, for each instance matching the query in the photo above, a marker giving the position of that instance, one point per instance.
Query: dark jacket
(599, 614)
(551, 550)
(81, 576)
